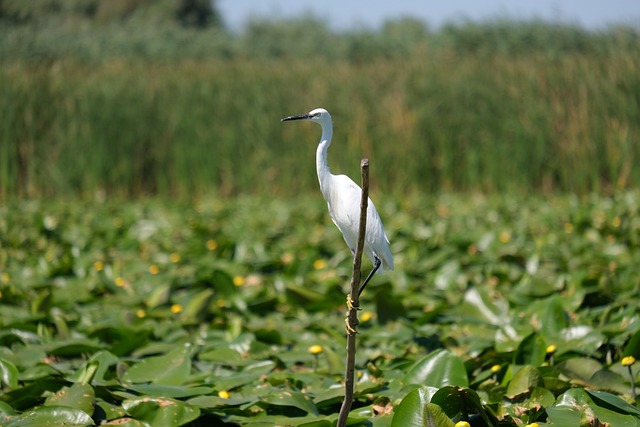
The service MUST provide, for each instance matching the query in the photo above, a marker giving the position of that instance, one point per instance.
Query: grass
(213, 310)
(442, 121)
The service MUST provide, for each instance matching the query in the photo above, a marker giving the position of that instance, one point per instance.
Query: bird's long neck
(322, 166)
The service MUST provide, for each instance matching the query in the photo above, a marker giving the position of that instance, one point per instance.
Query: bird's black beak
(301, 117)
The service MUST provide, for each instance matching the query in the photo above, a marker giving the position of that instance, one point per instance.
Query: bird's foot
(352, 305)
(349, 327)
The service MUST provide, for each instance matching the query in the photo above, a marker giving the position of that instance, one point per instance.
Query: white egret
(343, 199)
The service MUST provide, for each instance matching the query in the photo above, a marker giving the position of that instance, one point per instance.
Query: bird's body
(343, 200)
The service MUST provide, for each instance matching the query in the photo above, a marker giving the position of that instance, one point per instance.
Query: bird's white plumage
(343, 199)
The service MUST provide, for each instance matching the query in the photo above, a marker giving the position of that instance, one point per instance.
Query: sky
(347, 14)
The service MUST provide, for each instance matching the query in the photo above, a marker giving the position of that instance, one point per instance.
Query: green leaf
(225, 356)
(161, 411)
(581, 368)
(169, 391)
(214, 402)
(388, 307)
(291, 398)
(95, 369)
(612, 401)
(8, 374)
(73, 347)
(531, 351)
(416, 410)
(523, 381)
(27, 397)
(438, 369)
(554, 319)
(197, 306)
(126, 422)
(51, 416)
(457, 401)
(479, 305)
(564, 416)
(78, 396)
(633, 346)
(159, 296)
(578, 399)
(605, 379)
(6, 410)
(172, 368)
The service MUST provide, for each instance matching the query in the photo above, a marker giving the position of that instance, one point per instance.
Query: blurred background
(183, 98)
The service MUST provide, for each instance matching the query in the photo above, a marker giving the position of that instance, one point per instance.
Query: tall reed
(438, 121)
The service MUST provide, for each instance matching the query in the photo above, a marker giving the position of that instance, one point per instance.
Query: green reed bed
(438, 120)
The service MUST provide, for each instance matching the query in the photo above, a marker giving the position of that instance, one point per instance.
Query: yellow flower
(238, 280)
(319, 264)
(496, 368)
(287, 258)
(462, 424)
(366, 316)
(568, 228)
(532, 425)
(212, 245)
(154, 269)
(98, 265)
(175, 257)
(141, 313)
(616, 222)
(220, 303)
(120, 282)
(176, 308)
(5, 278)
(315, 349)
(552, 348)
(224, 394)
(628, 361)
(504, 237)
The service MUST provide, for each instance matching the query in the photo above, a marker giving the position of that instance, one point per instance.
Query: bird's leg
(376, 266)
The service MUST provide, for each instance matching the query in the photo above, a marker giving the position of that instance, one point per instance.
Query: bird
(343, 200)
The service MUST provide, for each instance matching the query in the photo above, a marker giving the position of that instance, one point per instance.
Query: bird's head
(319, 115)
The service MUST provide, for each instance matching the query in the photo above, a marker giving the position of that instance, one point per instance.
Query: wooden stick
(352, 316)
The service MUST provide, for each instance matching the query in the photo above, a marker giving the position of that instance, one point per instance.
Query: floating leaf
(214, 402)
(291, 398)
(564, 416)
(523, 381)
(388, 307)
(78, 396)
(169, 391)
(633, 346)
(416, 410)
(161, 411)
(51, 416)
(195, 309)
(8, 374)
(438, 369)
(172, 368)
(581, 368)
(613, 402)
(457, 401)
(531, 351)
(554, 319)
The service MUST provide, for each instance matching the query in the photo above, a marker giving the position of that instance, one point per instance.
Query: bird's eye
(316, 115)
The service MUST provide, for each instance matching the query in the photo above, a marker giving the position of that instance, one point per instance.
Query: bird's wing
(343, 200)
